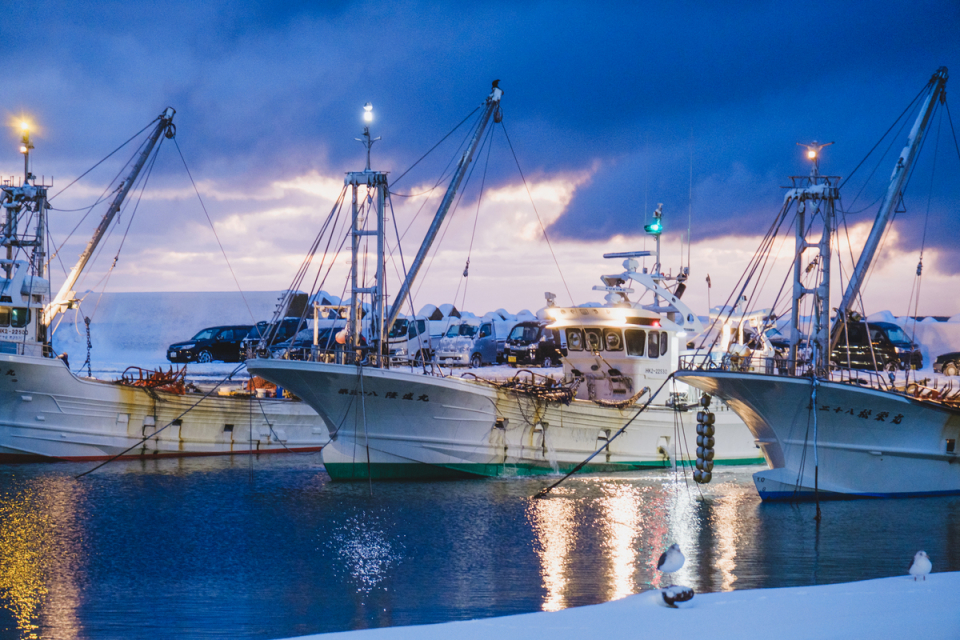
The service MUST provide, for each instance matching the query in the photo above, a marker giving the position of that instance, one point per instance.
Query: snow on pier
(885, 608)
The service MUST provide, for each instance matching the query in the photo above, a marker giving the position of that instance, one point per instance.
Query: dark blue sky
(625, 92)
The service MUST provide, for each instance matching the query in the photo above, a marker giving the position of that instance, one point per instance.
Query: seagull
(921, 565)
(672, 559)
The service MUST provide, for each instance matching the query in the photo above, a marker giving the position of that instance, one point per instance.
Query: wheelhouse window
(663, 343)
(575, 339)
(613, 340)
(594, 340)
(16, 317)
(653, 345)
(636, 341)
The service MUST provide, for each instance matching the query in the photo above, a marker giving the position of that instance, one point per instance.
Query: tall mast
(814, 195)
(937, 93)
(491, 105)
(363, 226)
(65, 295)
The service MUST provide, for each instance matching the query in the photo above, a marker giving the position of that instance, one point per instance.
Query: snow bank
(881, 316)
(933, 337)
(884, 608)
(137, 328)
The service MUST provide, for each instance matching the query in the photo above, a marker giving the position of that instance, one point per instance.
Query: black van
(533, 343)
(892, 349)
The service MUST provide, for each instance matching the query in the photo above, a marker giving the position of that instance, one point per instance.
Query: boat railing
(27, 349)
(779, 366)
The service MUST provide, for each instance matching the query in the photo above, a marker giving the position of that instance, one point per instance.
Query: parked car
(855, 351)
(273, 332)
(947, 363)
(907, 350)
(456, 347)
(213, 343)
(409, 340)
(300, 346)
(533, 343)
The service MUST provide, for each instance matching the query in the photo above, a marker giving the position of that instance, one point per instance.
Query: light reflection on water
(271, 548)
(365, 551)
(554, 526)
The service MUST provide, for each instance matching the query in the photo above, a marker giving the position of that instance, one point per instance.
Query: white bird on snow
(672, 559)
(921, 565)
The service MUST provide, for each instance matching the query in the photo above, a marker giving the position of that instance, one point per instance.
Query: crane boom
(66, 294)
(490, 106)
(936, 93)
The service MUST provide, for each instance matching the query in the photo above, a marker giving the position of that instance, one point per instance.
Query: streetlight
(25, 146)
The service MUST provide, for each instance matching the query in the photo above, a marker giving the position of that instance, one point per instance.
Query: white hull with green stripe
(390, 423)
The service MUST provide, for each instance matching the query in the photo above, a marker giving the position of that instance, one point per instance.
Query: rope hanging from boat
(550, 390)
(169, 424)
(545, 491)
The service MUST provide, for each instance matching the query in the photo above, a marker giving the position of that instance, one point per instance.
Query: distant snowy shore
(885, 608)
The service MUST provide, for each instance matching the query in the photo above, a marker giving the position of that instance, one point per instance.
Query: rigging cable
(545, 237)
(450, 214)
(923, 243)
(212, 228)
(103, 159)
(473, 235)
(400, 177)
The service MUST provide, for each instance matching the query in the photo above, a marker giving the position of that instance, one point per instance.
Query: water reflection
(553, 522)
(270, 548)
(365, 550)
(623, 522)
(726, 524)
(38, 559)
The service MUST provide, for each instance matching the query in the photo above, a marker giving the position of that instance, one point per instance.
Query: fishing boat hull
(48, 413)
(869, 443)
(387, 423)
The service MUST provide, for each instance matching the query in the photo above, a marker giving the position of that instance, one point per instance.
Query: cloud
(607, 107)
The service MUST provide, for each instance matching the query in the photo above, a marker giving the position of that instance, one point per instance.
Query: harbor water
(269, 547)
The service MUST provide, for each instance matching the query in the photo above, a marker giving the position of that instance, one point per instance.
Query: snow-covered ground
(886, 608)
(136, 328)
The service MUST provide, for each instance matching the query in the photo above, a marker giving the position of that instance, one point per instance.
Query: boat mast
(27, 198)
(937, 93)
(65, 296)
(377, 181)
(814, 194)
(491, 106)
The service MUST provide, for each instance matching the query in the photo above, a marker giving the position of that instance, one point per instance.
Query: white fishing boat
(827, 430)
(405, 423)
(48, 412)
